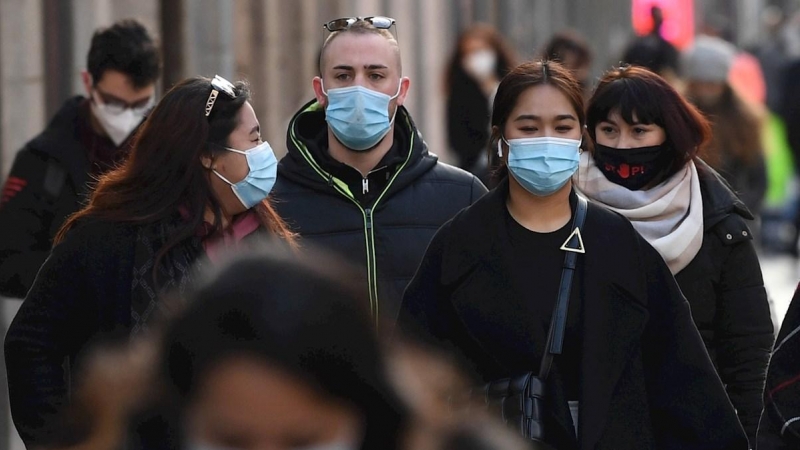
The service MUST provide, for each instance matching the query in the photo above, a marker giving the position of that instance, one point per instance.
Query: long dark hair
(635, 90)
(297, 312)
(734, 131)
(164, 176)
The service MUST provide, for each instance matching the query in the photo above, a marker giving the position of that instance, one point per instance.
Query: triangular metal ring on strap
(577, 247)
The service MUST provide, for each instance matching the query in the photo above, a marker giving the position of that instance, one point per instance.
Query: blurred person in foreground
(51, 176)
(645, 166)
(479, 61)
(358, 179)
(280, 352)
(735, 147)
(196, 184)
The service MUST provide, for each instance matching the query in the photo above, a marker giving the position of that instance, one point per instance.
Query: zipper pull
(365, 185)
(368, 215)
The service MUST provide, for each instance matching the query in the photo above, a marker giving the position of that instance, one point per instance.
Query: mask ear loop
(500, 146)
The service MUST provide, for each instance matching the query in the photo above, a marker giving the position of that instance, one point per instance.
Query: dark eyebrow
(375, 66)
(111, 97)
(607, 120)
(255, 128)
(343, 67)
(535, 117)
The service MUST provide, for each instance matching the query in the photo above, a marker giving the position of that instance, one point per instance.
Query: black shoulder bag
(519, 401)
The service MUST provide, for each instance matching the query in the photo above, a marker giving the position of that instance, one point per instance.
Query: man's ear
(405, 83)
(88, 83)
(317, 84)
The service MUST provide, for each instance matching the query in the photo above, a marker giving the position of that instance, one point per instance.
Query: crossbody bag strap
(558, 323)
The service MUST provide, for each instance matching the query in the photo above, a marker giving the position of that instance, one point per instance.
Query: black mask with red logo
(632, 168)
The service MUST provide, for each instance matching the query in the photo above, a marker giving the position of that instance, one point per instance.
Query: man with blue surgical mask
(358, 178)
(52, 174)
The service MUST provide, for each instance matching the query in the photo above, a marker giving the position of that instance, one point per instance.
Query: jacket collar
(61, 142)
(306, 138)
(719, 200)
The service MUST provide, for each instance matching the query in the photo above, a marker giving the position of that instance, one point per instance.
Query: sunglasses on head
(219, 84)
(341, 24)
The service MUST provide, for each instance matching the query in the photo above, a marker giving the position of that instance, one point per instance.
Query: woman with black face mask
(645, 167)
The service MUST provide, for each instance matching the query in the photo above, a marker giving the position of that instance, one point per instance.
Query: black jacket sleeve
(54, 321)
(26, 218)
(689, 408)
(779, 428)
(468, 124)
(421, 312)
(743, 333)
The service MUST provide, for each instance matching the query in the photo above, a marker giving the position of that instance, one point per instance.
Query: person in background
(358, 179)
(735, 147)
(51, 176)
(195, 185)
(480, 60)
(655, 53)
(633, 372)
(571, 49)
(644, 166)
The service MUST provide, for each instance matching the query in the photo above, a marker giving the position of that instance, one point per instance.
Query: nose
(624, 142)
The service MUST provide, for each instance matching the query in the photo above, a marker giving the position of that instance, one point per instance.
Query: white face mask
(481, 64)
(118, 125)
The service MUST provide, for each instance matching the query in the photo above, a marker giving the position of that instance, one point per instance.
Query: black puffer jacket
(48, 182)
(386, 235)
(725, 289)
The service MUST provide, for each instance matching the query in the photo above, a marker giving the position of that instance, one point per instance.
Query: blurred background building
(274, 44)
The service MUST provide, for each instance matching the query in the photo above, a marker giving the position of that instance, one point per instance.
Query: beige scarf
(669, 216)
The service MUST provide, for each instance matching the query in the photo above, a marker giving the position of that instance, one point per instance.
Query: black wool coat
(85, 294)
(646, 380)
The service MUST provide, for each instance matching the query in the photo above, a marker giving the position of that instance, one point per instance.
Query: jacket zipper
(369, 229)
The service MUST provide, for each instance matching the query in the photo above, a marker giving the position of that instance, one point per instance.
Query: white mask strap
(500, 146)
(221, 177)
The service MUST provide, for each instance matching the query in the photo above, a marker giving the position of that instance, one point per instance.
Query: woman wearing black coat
(480, 59)
(195, 184)
(633, 373)
(644, 166)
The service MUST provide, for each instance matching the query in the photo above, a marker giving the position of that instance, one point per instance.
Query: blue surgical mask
(543, 165)
(259, 181)
(359, 117)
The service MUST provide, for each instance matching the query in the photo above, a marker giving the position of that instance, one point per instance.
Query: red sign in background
(678, 27)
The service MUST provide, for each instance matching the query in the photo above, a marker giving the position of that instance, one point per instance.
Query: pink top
(217, 244)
